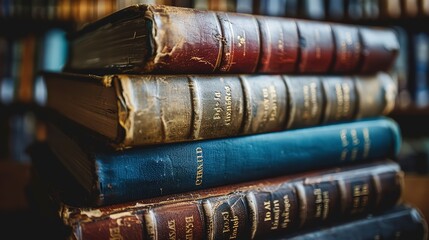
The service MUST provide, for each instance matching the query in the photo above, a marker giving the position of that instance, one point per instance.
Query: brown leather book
(167, 39)
(252, 210)
(132, 110)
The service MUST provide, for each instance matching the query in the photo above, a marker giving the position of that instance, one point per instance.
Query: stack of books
(176, 123)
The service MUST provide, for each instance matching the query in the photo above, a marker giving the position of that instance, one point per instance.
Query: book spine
(306, 101)
(128, 225)
(316, 45)
(239, 43)
(379, 49)
(180, 167)
(347, 48)
(161, 109)
(278, 56)
(400, 223)
(260, 212)
(382, 91)
(227, 217)
(176, 221)
(420, 74)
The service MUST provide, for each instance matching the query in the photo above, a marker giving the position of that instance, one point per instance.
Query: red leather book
(251, 210)
(166, 39)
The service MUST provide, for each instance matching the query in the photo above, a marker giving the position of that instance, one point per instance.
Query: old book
(419, 84)
(111, 176)
(167, 39)
(401, 222)
(251, 210)
(135, 110)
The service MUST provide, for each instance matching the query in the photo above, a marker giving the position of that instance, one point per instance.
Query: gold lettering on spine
(360, 197)
(230, 225)
(340, 100)
(217, 109)
(270, 104)
(267, 207)
(286, 212)
(266, 103)
(115, 233)
(355, 142)
(305, 112)
(313, 91)
(355, 138)
(342, 92)
(318, 202)
(171, 229)
(276, 211)
(272, 213)
(346, 96)
(310, 101)
(317, 40)
(344, 143)
(242, 42)
(274, 103)
(189, 227)
(367, 142)
(235, 221)
(325, 204)
(221, 107)
(200, 160)
(321, 203)
(226, 228)
(347, 41)
(228, 104)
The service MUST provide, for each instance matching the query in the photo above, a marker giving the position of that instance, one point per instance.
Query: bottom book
(403, 222)
(251, 210)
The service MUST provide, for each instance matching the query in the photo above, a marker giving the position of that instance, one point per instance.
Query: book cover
(111, 176)
(402, 222)
(168, 39)
(136, 110)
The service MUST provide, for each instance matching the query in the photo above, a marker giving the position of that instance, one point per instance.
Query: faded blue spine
(172, 168)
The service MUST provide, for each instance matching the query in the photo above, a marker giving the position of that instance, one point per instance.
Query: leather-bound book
(137, 110)
(270, 207)
(166, 39)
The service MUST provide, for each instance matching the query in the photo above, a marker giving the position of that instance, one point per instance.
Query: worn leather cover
(167, 39)
(252, 210)
(156, 109)
(402, 222)
(380, 48)
(316, 45)
(348, 49)
(279, 45)
(176, 221)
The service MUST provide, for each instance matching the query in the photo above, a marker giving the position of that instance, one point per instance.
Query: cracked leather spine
(177, 108)
(255, 210)
(190, 41)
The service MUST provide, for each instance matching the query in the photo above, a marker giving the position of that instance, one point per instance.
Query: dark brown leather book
(166, 39)
(133, 110)
(401, 222)
(252, 210)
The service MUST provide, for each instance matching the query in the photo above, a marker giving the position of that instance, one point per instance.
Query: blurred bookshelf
(33, 38)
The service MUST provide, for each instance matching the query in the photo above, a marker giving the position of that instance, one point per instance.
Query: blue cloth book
(111, 176)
